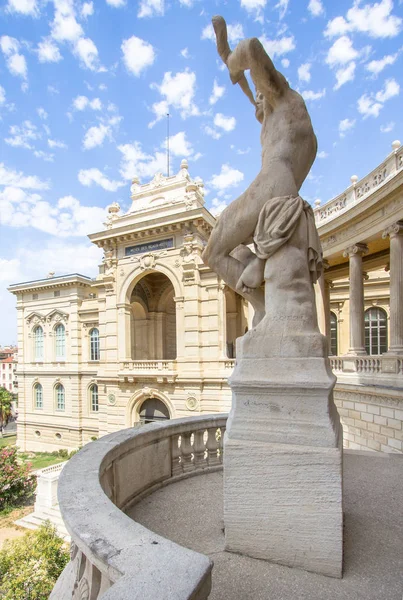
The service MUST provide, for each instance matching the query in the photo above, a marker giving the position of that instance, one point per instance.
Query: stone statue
(270, 210)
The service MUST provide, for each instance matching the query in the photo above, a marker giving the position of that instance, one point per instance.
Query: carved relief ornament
(394, 229)
(355, 249)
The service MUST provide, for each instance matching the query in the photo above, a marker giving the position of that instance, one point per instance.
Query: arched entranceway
(153, 410)
(153, 319)
(236, 320)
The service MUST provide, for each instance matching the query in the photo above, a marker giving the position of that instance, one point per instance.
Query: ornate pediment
(35, 318)
(57, 316)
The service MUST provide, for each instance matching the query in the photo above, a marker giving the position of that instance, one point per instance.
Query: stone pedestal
(283, 443)
(283, 465)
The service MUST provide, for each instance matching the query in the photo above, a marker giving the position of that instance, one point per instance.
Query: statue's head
(259, 112)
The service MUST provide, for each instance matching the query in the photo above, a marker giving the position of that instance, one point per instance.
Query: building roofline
(52, 281)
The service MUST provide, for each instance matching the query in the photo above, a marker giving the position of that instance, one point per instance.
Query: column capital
(393, 230)
(359, 249)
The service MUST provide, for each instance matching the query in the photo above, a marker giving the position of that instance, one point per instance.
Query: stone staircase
(35, 519)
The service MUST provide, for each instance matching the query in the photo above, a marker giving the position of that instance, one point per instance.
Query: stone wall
(372, 417)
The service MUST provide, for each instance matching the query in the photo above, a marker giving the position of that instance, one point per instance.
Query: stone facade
(167, 324)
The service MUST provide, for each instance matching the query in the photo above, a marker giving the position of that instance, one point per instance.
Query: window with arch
(60, 342)
(38, 343)
(38, 395)
(333, 334)
(94, 403)
(94, 344)
(60, 397)
(376, 331)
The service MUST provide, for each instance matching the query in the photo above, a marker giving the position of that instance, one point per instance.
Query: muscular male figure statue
(288, 150)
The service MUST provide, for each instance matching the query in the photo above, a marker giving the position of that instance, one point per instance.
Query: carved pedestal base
(283, 464)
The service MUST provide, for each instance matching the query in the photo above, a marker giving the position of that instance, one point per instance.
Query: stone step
(35, 520)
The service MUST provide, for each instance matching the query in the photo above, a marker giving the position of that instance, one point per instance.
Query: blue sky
(85, 87)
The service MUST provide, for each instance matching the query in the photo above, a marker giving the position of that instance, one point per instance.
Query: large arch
(138, 273)
(137, 400)
(152, 318)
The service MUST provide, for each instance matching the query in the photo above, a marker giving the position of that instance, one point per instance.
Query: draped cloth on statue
(277, 222)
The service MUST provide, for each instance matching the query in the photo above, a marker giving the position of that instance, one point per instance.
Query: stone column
(325, 287)
(357, 339)
(395, 233)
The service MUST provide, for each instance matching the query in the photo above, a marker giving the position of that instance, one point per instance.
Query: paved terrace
(190, 512)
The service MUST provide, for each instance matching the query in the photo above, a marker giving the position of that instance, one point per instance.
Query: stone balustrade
(148, 365)
(112, 556)
(371, 365)
(359, 190)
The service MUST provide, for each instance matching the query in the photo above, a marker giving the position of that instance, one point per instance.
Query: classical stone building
(153, 335)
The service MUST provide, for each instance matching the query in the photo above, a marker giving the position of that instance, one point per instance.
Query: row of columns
(356, 296)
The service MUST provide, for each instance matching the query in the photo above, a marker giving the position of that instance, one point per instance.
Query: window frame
(38, 388)
(39, 344)
(60, 341)
(60, 398)
(94, 398)
(375, 330)
(94, 346)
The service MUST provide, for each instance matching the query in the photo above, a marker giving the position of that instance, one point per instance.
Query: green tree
(5, 408)
(31, 565)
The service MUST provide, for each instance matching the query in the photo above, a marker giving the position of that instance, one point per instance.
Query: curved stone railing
(359, 190)
(112, 556)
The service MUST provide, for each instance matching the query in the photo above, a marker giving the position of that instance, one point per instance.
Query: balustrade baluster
(212, 447)
(187, 452)
(221, 444)
(199, 450)
(176, 453)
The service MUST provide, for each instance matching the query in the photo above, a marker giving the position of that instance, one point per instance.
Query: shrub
(30, 565)
(16, 480)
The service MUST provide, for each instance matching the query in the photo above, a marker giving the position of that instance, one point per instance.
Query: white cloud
(310, 95)
(376, 66)
(217, 93)
(23, 135)
(82, 102)
(371, 105)
(391, 89)
(282, 6)
(23, 7)
(375, 20)
(255, 7)
(65, 27)
(48, 51)
(10, 177)
(217, 206)
(345, 125)
(56, 144)
(304, 72)
(179, 145)
(42, 113)
(15, 61)
(89, 176)
(135, 162)
(2, 95)
(279, 46)
(178, 91)
(95, 136)
(87, 52)
(388, 127)
(235, 33)
(116, 3)
(137, 55)
(225, 123)
(228, 177)
(315, 7)
(285, 63)
(185, 53)
(344, 75)
(211, 132)
(46, 156)
(151, 8)
(341, 52)
(67, 218)
(87, 9)
(322, 154)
